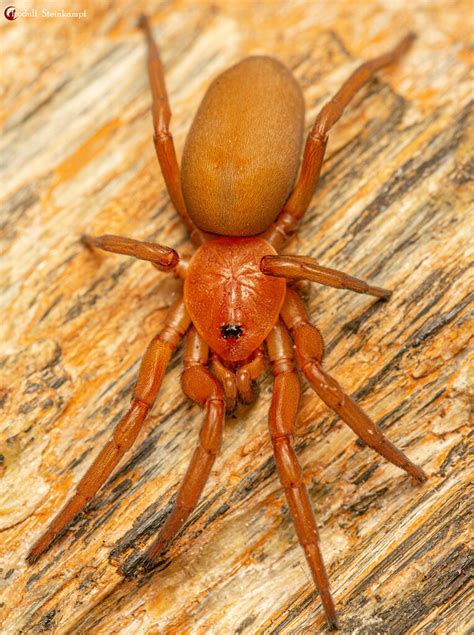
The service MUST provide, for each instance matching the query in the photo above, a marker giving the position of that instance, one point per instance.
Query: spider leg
(298, 202)
(151, 373)
(163, 140)
(304, 268)
(249, 372)
(309, 350)
(282, 418)
(163, 258)
(203, 388)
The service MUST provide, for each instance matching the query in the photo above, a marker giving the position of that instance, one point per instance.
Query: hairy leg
(309, 350)
(282, 418)
(297, 204)
(148, 383)
(203, 388)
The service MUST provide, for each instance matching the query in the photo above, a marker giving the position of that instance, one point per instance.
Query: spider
(238, 195)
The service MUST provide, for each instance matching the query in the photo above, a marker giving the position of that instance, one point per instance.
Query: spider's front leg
(309, 349)
(282, 419)
(149, 380)
(203, 388)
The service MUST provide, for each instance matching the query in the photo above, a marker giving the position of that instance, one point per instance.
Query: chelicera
(240, 198)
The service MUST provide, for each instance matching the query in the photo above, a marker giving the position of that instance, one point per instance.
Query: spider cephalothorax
(239, 165)
(231, 331)
(224, 285)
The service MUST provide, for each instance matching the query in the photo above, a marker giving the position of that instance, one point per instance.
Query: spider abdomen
(243, 150)
(232, 304)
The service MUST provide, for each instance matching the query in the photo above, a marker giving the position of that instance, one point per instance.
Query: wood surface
(394, 207)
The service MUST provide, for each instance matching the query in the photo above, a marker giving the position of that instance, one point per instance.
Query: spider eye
(233, 331)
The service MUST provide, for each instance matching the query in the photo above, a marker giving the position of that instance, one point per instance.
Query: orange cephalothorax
(243, 150)
(232, 304)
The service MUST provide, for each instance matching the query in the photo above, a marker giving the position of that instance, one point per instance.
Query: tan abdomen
(231, 303)
(242, 153)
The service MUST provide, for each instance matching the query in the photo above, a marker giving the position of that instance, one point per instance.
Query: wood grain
(394, 207)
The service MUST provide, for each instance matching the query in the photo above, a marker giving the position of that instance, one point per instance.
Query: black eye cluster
(233, 331)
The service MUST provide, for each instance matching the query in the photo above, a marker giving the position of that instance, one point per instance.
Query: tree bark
(393, 207)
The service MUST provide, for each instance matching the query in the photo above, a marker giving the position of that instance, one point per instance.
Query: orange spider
(235, 193)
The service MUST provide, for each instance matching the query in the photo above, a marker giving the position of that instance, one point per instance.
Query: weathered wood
(393, 207)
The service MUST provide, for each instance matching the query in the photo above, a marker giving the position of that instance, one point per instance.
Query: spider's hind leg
(295, 207)
(309, 350)
(164, 144)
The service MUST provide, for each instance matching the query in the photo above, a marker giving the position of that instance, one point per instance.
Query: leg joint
(162, 135)
(289, 469)
(309, 343)
(141, 402)
(210, 436)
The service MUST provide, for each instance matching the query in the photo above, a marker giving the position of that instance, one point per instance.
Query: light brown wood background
(393, 207)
